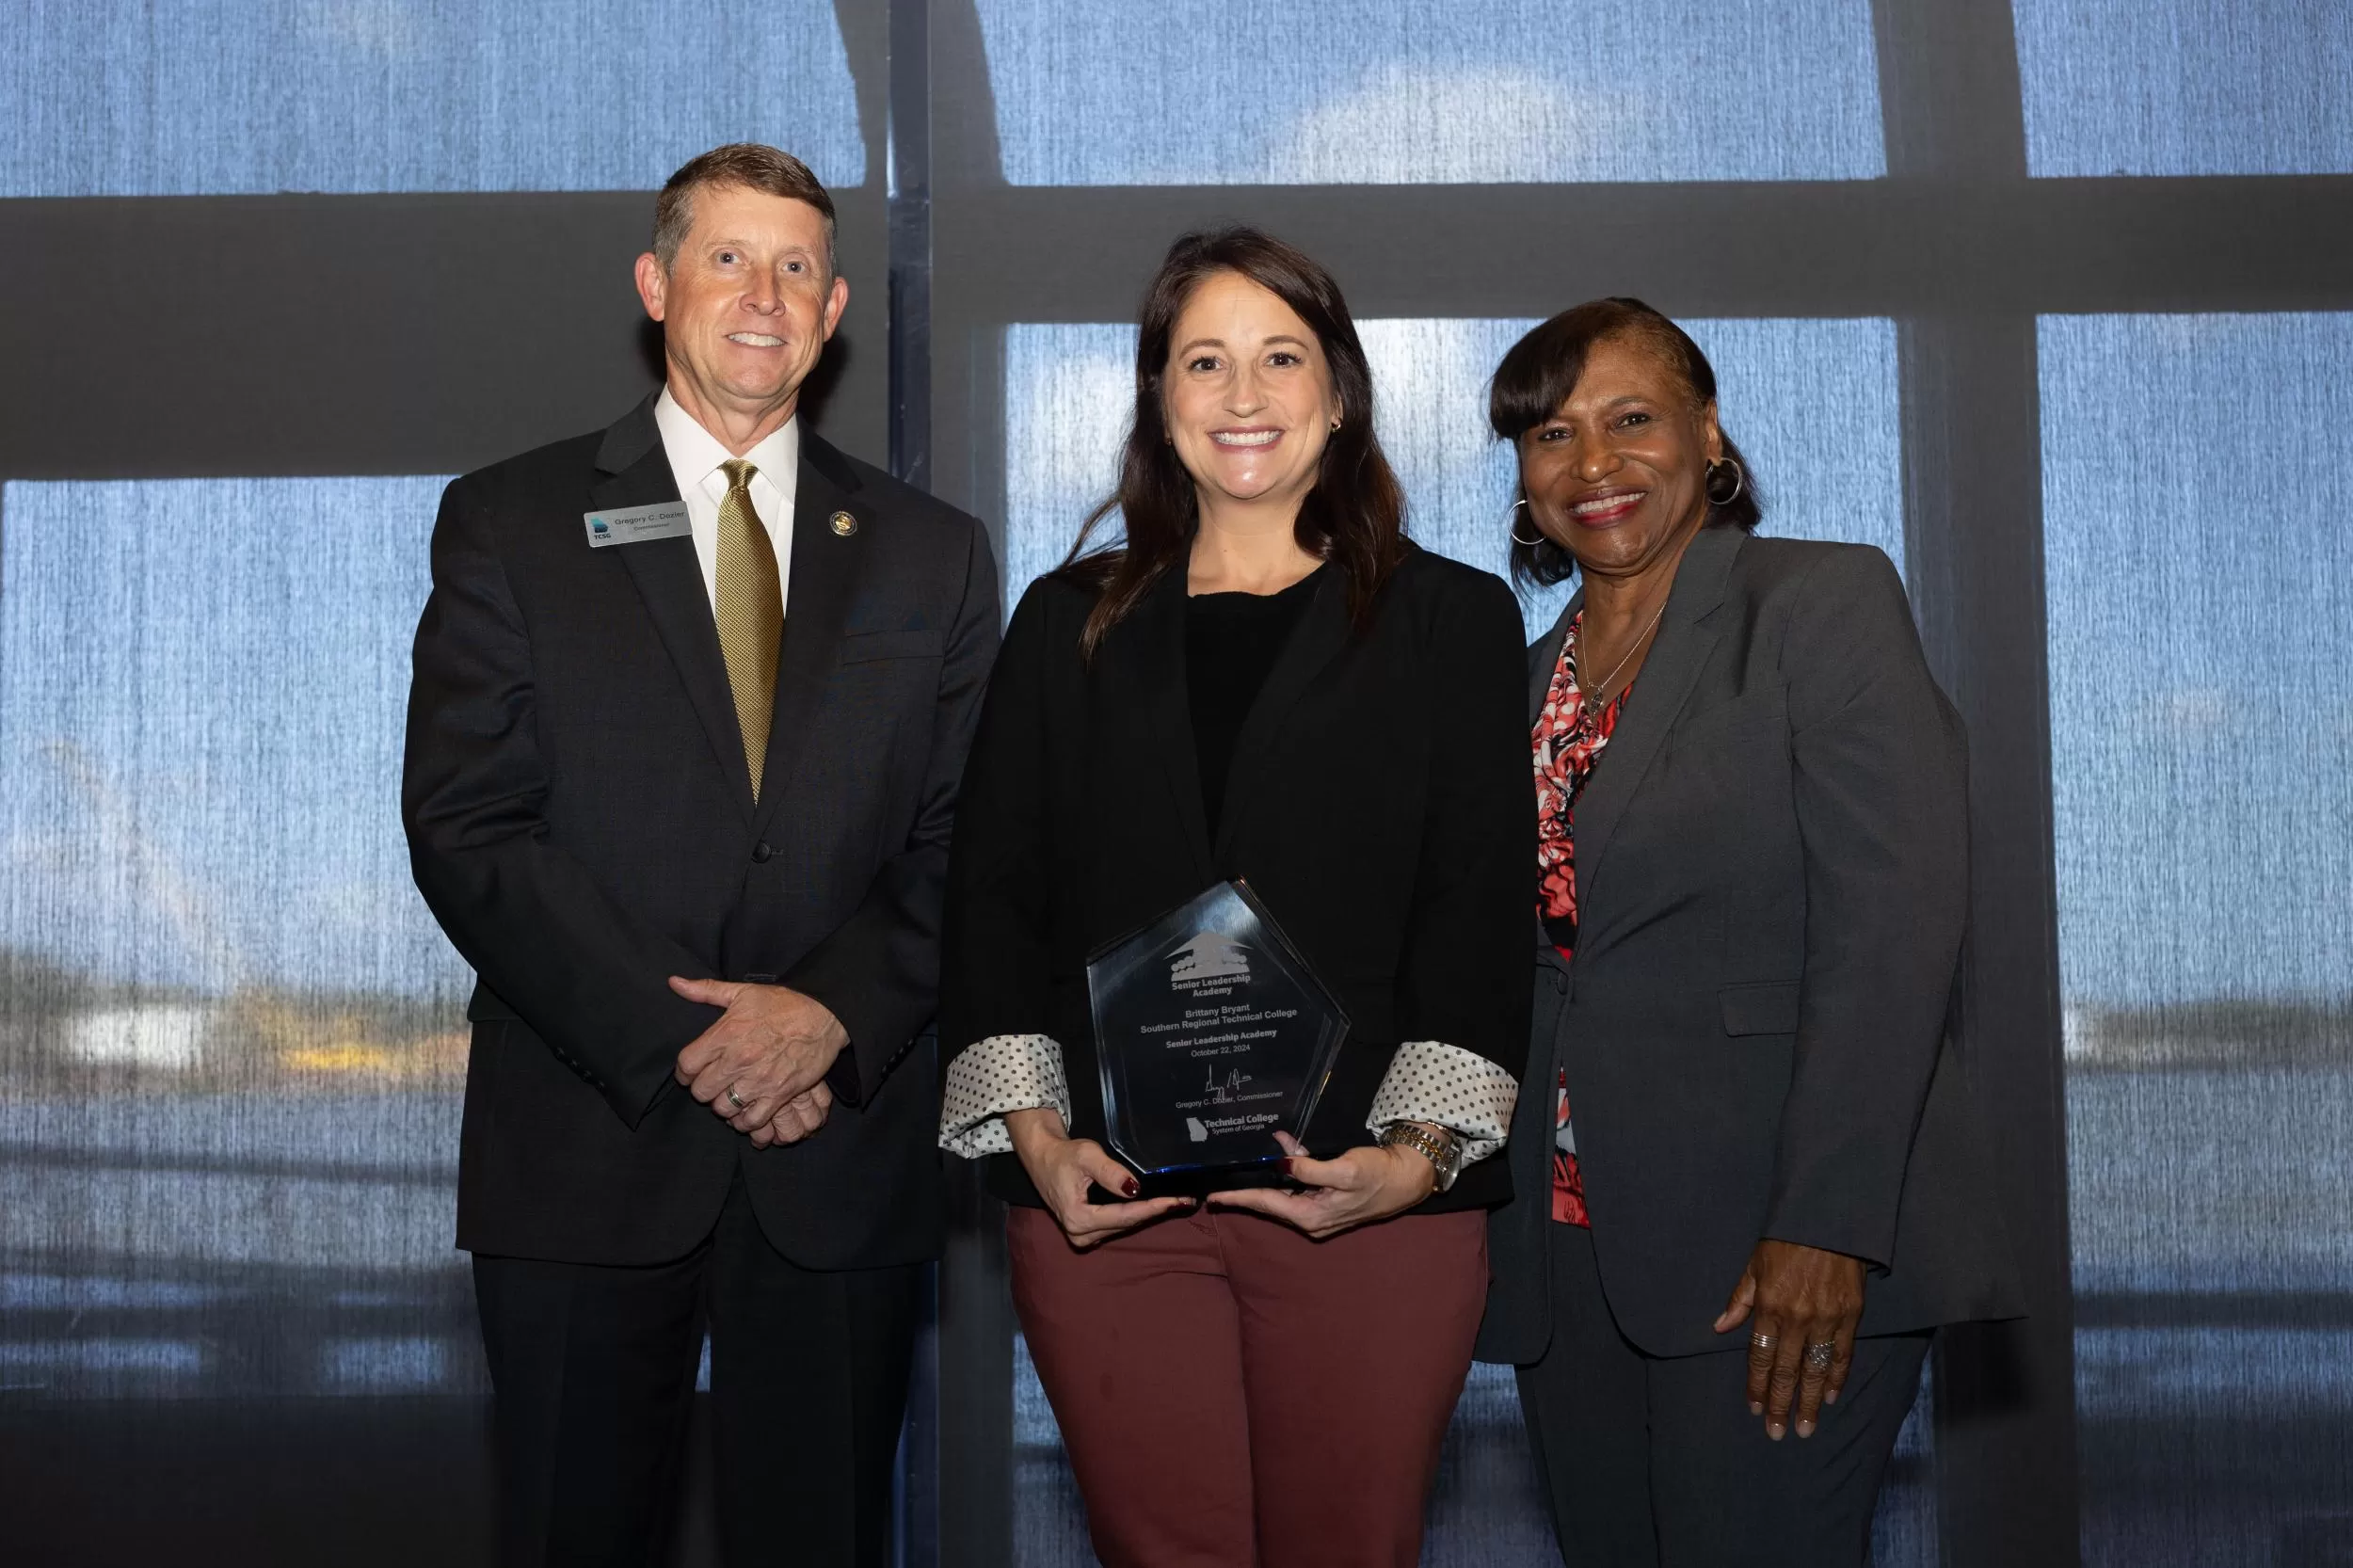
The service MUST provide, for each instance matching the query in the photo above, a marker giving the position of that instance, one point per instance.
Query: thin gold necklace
(1603, 685)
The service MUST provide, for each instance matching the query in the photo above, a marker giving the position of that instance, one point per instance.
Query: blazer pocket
(858, 647)
(1767, 1007)
(1765, 712)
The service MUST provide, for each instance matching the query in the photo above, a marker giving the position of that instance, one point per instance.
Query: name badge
(637, 524)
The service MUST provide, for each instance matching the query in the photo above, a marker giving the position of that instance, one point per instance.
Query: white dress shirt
(695, 457)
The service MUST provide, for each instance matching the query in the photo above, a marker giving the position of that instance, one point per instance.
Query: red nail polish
(1134, 1188)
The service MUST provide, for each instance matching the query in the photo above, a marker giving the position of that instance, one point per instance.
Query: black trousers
(593, 1369)
(1651, 1460)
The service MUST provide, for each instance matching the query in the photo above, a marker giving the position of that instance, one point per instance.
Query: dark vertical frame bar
(969, 194)
(941, 1451)
(2006, 1398)
(962, 391)
(909, 153)
(975, 1381)
(907, 183)
(927, 1450)
(2005, 1392)
(889, 62)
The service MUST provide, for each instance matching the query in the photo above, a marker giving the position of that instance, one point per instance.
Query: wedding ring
(1819, 1356)
(737, 1100)
(1762, 1341)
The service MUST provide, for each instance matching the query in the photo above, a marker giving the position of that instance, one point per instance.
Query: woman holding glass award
(1235, 940)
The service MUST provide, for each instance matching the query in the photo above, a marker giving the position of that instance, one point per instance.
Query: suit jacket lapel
(669, 579)
(1321, 632)
(1667, 675)
(826, 570)
(1147, 656)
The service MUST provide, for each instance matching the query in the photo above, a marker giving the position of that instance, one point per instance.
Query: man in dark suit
(691, 701)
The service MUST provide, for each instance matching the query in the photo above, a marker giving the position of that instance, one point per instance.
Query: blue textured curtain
(2200, 593)
(1211, 92)
(229, 1049)
(205, 97)
(2187, 87)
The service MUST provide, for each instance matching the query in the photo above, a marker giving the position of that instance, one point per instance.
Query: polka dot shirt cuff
(1449, 1087)
(988, 1077)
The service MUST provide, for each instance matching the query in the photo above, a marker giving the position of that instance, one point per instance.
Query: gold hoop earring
(1511, 521)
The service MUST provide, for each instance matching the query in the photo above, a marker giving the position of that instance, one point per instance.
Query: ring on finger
(1820, 1355)
(1762, 1341)
(737, 1100)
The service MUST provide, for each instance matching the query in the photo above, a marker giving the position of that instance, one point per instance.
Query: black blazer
(1378, 803)
(1772, 865)
(580, 821)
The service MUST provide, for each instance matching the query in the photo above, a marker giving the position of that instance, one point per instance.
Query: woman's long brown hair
(1354, 516)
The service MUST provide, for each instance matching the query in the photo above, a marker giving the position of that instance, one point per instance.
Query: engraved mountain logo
(1209, 959)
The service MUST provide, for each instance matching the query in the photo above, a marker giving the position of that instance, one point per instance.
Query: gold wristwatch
(1443, 1149)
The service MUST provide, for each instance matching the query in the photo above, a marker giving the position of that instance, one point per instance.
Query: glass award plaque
(1213, 1035)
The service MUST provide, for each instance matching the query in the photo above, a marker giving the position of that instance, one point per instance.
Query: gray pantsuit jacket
(1773, 871)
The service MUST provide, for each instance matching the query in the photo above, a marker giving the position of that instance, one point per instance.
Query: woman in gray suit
(1745, 1173)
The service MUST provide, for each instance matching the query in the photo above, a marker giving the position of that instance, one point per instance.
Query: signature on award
(1222, 1092)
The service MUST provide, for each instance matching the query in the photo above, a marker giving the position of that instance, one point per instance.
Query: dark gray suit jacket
(581, 821)
(1773, 882)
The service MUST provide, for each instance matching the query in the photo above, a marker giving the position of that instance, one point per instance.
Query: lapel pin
(843, 523)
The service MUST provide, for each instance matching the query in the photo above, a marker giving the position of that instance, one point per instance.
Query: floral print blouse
(1568, 742)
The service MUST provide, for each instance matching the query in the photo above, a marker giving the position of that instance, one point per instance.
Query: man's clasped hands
(761, 1068)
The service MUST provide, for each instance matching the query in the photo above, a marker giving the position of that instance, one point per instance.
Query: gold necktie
(750, 608)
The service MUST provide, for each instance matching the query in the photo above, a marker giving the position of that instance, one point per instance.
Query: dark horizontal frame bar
(1799, 249)
(214, 335)
(258, 335)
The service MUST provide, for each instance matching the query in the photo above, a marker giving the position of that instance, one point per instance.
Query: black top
(1377, 802)
(1230, 644)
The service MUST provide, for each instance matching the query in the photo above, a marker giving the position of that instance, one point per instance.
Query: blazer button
(762, 852)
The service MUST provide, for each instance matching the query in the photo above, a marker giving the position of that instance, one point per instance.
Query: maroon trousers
(1232, 1393)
